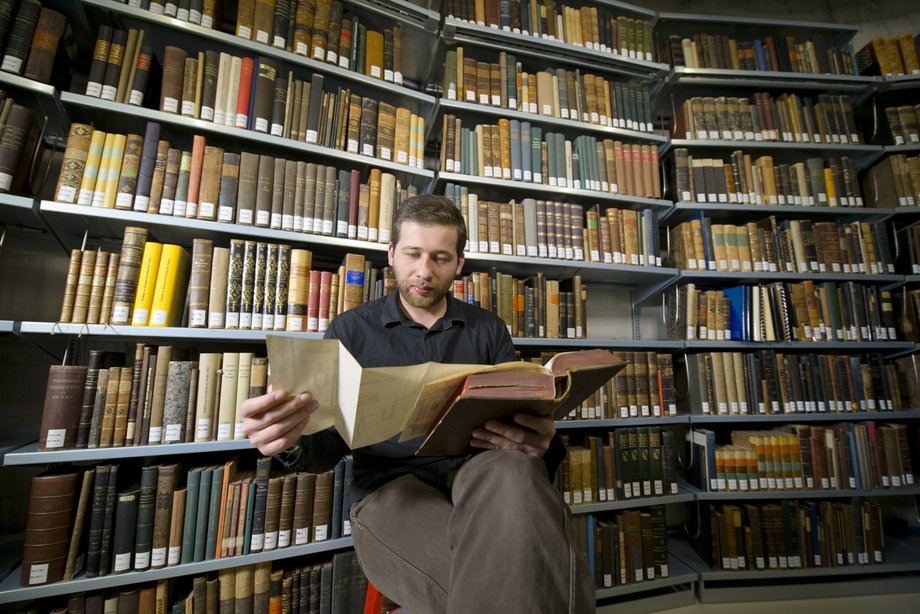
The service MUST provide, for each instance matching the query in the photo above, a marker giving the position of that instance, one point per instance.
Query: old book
(20, 38)
(76, 553)
(48, 31)
(173, 78)
(97, 64)
(128, 274)
(220, 267)
(437, 385)
(167, 482)
(124, 532)
(176, 402)
(48, 527)
(200, 282)
(62, 407)
(386, 131)
(166, 308)
(208, 386)
(272, 512)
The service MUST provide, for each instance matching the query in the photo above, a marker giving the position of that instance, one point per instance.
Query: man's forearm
(315, 453)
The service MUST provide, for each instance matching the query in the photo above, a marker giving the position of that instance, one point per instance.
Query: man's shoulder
(367, 311)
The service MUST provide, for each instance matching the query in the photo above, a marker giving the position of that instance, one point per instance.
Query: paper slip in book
(367, 406)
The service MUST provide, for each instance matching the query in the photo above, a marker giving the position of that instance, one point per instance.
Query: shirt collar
(393, 315)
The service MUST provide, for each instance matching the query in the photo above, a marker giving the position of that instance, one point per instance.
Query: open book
(371, 405)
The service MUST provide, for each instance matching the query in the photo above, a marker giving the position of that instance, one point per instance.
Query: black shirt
(379, 334)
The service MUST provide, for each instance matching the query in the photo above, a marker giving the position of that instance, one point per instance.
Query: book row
(786, 246)
(561, 93)
(625, 464)
(113, 519)
(791, 535)
(890, 55)
(904, 123)
(893, 182)
(909, 256)
(598, 28)
(855, 456)
(160, 397)
(201, 12)
(29, 38)
(770, 382)
(770, 53)
(746, 180)
(805, 311)
(121, 65)
(314, 584)
(625, 547)
(324, 31)
(253, 94)
(20, 143)
(516, 151)
(787, 118)
(553, 229)
(128, 172)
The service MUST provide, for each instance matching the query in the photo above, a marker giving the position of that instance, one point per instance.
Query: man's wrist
(291, 455)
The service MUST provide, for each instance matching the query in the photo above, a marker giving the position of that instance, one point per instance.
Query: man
(482, 533)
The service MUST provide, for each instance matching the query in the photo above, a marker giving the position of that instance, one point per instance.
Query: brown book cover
(303, 508)
(128, 270)
(209, 186)
(386, 131)
(20, 36)
(173, 75)
(48, 32)
(61, 411)
(200, 283)
(264, 95)
(190, 91)
(273, 512)
(322, 506)
(48, 527)
(75, 153)
(167, 482)
(373, 54)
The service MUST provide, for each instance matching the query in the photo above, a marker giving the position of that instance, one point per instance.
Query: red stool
(376, 603)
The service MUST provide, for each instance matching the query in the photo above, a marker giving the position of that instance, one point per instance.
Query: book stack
(788, 118)
(893, 182)
(628, 463)
(770, 382)
(162, 397)
(513, 150)
(890, 56)
(626, 547)
(791, 535)
(561, 93)
(31, 34)
(746, 180)
(770, 53)
(644, 389)
(200, 12)
(591, 27)
(331, 582)
(324, 31)
(904, 124)
(788, 246)
(169, 516)
(552, 229)
(148, 174)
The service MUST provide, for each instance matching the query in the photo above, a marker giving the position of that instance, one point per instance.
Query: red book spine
(313, 302)
(245, 89)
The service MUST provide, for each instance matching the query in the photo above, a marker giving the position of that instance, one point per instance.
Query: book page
(299, 365)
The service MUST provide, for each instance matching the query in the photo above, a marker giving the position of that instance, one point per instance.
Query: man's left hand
(530, 434)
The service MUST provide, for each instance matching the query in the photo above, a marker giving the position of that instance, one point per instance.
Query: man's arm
(315, 453)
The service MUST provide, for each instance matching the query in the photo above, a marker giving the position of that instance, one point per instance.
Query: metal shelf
(897, 82)
(96, 106)
(458, 106)
(28, 85)
(615, 423)
(458, 30)
(816, 347)
(11, 591)
(101, 222)
(7, 326)
(30, 455)
(423, 19)
(683, 496)
(897, 149)
(619, 344)
(568, 193)
(805, 417)
(724, 77)
(678, 574)
(739, 277)
(755, 22)
(845, 493)
(553, 268)
(775, 146)
(216, 335)
(17, 210)
(683, 210)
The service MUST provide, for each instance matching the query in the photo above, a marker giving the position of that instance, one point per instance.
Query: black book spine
(125, 525)
(142, 70)
(105, 551)
(148, 161)
(20, 42)
(89, 398)
(97, 516)
(143, 535)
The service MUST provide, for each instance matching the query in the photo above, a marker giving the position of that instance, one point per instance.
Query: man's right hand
(273, 422)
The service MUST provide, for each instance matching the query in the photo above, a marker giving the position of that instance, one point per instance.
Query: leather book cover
(303, 508)
(20, 39)
(167, 481)
(62, 407)
(48, 527)
(173, 76)
(218, 293)
(48, 31)
(314, 109)
(125, 526)
(200, 282)
(190, 91)
(97, 64)
(367, 140)
(322, 506)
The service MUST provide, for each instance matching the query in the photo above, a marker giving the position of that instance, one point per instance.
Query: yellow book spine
(169, 291)
(146, 283)
(91, 170)
(113, 170)
(829, 188)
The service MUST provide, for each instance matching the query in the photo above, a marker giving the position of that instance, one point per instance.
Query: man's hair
(430, 210)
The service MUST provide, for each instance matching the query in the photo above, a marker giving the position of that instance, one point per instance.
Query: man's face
(425, 263)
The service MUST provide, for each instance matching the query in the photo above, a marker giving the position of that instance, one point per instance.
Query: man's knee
(504, 472)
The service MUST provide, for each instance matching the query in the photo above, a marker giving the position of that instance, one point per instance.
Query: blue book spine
(758, 52)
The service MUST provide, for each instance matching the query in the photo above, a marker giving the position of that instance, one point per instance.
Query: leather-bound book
(373, 54)
(48, 32)
(98, 359)
(264, 94)
(16, 147)
(173, 74)
(78, 141)
(273, 512)
(200, 282)
(209, 85)
(51, 500)
(145, 64)
(176, 403)
(368, 131)
(97, 65)
(219, 278)
(386, 131)
(314, 108)
(157, 180)
(108, 522)
(125, 527)
(61, 412)
(189, 88)
(167, 480)
(97, 287)
(113, 65)
(130, 166)
(20, 40)
(76, 551)
(128, 271)
(246, 187)
(97, 518)
(122, 400)
(146, 506)
(209, 190)
(193, 198)
(146, 167)
(322, 506)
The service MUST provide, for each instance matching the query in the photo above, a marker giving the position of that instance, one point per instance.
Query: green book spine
(213, 512)
(202, 510)
(250, 505)
(193, 482)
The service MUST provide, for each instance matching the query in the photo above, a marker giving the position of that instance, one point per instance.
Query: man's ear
(390, 249)
(460, 263)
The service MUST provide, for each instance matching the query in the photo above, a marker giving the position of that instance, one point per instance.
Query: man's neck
(425, 317)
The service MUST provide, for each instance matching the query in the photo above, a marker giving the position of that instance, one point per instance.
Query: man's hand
(531, 437)
(273, 422)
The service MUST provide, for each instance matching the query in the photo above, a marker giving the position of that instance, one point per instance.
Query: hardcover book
(434, 400)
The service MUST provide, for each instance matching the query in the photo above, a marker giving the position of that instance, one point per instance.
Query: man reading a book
(486, 532)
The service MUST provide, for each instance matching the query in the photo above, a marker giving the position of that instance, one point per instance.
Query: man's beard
(422, 302)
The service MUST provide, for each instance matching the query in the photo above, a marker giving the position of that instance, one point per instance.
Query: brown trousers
(501, 543)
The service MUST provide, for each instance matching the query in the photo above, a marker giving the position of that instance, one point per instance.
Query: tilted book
(443, 402)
